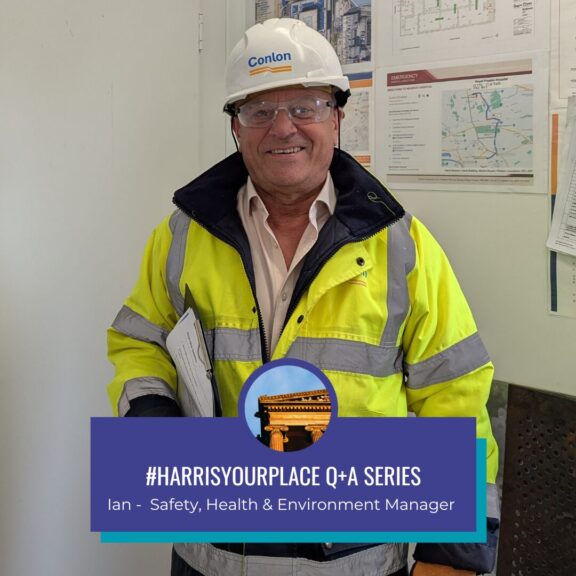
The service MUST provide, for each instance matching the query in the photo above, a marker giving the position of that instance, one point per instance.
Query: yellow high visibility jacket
(377, 307)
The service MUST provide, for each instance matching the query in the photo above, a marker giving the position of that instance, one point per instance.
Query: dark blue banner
(208, 477)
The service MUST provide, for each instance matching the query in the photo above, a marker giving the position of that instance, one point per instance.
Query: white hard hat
(282, 52)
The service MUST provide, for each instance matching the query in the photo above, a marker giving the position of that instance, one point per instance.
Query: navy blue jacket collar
(364, 205)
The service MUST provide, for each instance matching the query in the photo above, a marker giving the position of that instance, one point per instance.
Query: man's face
(286, 158)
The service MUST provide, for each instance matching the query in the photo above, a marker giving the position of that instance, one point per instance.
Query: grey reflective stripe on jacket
(132, 324)
(179, 225)
(233, 344)
(347, 356)
(461, 358)
(401, 256)
(492, 501)
(135, 326)
(380, 560)
(137, 387)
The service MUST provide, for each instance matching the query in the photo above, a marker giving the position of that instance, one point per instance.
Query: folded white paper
(188, 350)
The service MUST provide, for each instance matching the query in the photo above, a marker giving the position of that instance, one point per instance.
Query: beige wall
(98, 126)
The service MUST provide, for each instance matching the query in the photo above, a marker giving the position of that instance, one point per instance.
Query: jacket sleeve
(448, 374)
(145, 378)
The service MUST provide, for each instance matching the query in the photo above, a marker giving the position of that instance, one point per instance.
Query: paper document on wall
(188, 350)
(411, 31)
(562, 236)
(466, 125)
(563, 51)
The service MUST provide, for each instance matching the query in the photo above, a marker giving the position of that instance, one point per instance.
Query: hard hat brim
(340, 82)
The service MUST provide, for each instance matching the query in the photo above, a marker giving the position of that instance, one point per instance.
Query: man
(291, 249)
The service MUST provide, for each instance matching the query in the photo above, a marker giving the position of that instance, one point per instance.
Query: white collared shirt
(274, 281)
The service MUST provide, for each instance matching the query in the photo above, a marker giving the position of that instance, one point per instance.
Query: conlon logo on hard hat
(261, 64)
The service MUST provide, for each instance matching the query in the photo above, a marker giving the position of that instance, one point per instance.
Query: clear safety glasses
(304, 110)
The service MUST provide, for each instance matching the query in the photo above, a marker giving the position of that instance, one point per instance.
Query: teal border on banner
(379, 537)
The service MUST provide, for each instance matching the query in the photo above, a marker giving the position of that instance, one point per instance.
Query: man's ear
(338, 117)
(235, 126)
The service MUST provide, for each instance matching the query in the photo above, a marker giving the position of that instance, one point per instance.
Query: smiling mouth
(291, 150)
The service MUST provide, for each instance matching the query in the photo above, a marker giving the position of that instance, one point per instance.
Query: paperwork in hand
(188, 350)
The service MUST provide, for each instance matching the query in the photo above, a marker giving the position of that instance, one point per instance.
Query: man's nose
(282, 125)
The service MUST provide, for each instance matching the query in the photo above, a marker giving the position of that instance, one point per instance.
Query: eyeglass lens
(257, 113)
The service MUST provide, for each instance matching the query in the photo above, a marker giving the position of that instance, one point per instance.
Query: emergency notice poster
(288, 468)
(468, 125)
